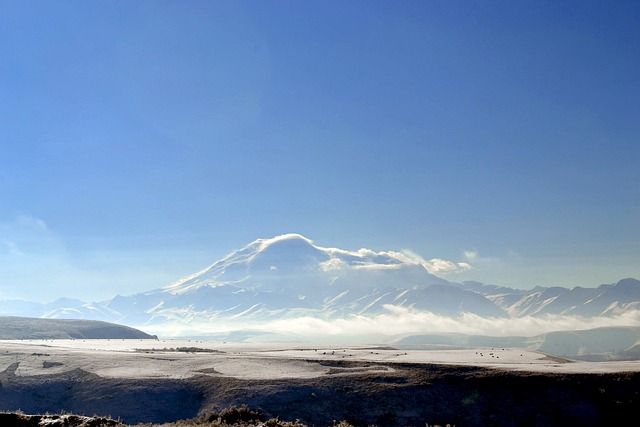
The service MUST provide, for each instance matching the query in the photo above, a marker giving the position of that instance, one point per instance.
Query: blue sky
(142, 141)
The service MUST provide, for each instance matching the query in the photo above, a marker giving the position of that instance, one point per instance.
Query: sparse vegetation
(237, 416)
(18, 419)
(178, 349)
(234, 416)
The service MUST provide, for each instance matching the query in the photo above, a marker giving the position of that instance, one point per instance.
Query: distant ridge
(289, 277)
(597, 344)
(16, 328)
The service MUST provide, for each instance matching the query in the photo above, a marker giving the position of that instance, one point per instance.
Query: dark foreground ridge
(21, 328)
(411, 395)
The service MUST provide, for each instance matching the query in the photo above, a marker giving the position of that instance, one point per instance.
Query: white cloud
(465, 266)
(436, 266)
(264, 243)
(385, 260)
(364, 258)
(474, 257)
(333, 264)
(397, 322)
(374, 266)
(471, 255)
(402, 321)
(441, 266)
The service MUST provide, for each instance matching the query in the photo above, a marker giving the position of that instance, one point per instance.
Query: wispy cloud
(333, 264)
(471, 255)
(31, 222)
(27, 234)
(436, 266)
(21, 231)
(33, 259)
(10, 247)
(396, 322)
(368, 258)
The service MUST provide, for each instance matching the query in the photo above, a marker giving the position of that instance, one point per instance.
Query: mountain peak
(292, 249)
(290, 240)
(628, 282)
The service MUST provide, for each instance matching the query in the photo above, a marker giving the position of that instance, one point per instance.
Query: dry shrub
(236, 415)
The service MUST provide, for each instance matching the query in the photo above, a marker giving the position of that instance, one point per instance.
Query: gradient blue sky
(143, 140)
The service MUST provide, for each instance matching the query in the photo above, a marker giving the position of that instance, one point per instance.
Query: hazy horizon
(143, 141)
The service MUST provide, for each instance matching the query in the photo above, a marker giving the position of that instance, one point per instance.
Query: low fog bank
(388, 326)
(596, 338)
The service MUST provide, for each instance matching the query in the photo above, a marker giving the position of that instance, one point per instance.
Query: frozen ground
(181, 359)
(157, 381)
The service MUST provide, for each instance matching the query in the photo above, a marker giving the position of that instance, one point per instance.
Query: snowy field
(181, 359)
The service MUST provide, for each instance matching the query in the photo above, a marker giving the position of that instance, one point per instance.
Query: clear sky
(141, 141)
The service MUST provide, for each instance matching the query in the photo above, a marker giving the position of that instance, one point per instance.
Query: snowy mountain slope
(604, 343)
(605, 300)
(289, 277)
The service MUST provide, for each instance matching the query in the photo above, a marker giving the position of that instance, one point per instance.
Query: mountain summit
(290, 272)
(258, 264)
(290, 277)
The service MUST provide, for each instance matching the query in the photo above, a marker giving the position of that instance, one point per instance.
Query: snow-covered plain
(161, 359)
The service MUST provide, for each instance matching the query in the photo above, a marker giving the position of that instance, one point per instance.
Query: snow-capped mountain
(604, 300)
(286, 277)
(290, 277)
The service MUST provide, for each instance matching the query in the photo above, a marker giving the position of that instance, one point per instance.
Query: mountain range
(289, 277)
